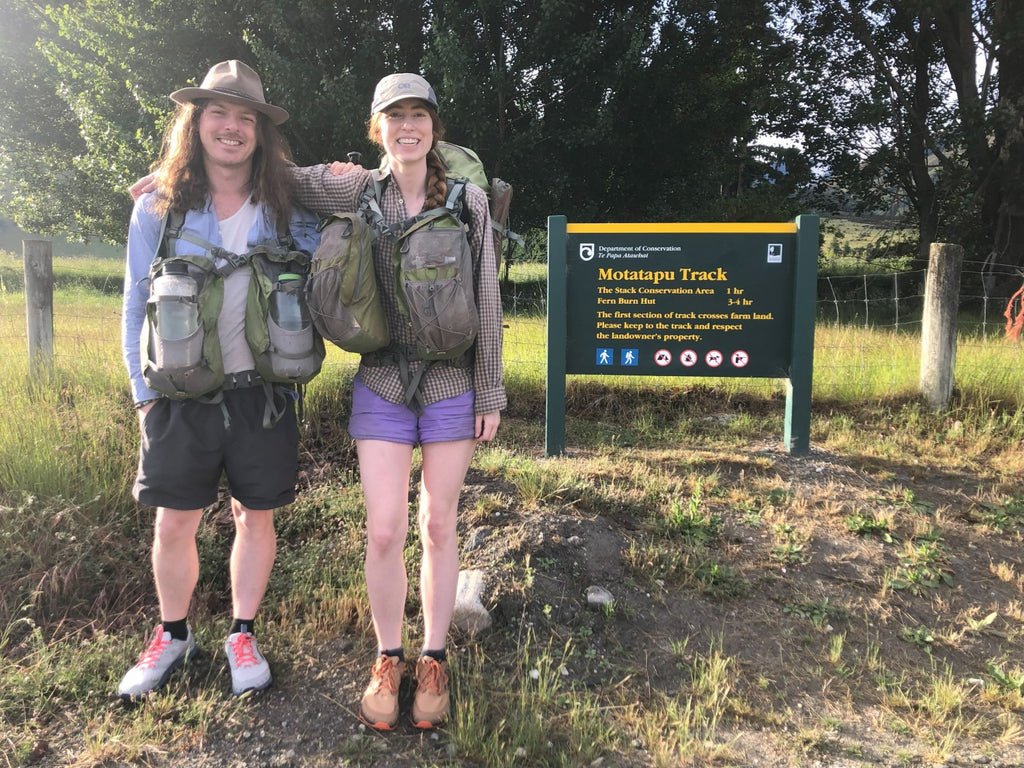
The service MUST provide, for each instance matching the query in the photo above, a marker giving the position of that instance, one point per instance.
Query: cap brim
(385, 103)
(277, 115)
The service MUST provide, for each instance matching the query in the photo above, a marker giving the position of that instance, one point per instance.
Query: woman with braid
(457, 403)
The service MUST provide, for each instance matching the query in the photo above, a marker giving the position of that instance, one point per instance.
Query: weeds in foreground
(713, 533)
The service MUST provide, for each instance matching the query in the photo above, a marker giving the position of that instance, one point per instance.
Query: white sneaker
(249, 670)
(161, 657)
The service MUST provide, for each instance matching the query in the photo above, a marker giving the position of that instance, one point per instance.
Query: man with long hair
(223, 169)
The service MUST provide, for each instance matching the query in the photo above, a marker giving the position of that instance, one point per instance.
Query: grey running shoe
(249, 670)
(161, 657)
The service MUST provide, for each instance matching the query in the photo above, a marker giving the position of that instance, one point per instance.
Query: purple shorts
(374, 418)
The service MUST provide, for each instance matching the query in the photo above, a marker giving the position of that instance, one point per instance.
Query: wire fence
(867, 338)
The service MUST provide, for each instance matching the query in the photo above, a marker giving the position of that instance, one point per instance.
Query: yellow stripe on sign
(768, 228)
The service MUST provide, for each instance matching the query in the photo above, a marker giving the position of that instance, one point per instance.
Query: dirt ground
(791, 716)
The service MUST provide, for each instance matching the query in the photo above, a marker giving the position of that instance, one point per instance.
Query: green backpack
(278, 328)
(463, 162)
(433, 267)
(434, 278)
(181, 354)
(181, 357)
(343, 300)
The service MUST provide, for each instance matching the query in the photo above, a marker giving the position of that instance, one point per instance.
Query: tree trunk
(1008, 231)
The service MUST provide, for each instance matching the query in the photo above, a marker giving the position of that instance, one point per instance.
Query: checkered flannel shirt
(320, 191)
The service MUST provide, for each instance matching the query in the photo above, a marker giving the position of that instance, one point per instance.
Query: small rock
(598, 597)
(470, 615)
(476, 538)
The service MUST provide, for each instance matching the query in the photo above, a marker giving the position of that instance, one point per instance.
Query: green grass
(673, 463)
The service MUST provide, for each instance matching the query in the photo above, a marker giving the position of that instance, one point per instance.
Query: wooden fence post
(38, 257)
(939, 323)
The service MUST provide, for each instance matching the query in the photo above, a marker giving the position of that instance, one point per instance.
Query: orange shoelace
(384, 675)
(431, 677)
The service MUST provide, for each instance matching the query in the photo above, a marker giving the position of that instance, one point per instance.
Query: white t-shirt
(234, 235)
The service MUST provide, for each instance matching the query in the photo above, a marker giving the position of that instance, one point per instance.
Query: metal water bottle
(287, 306)
(177, 310)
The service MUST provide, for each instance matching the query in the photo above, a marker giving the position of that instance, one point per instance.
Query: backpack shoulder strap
(284, 234)
(170, 231)
(369, 203)
(173, 230)
(456, 196)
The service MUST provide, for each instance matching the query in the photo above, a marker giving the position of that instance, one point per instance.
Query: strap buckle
(241, 380)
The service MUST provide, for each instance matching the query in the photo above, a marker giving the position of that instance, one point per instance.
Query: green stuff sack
(184, 366)
(463, 162)
(342, 293)
(287, 353)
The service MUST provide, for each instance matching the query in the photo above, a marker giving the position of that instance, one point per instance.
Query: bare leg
(444, 470)
(175, 560)
(384, 468)
(252, 558)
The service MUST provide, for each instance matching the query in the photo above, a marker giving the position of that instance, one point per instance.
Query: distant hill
(11, 236)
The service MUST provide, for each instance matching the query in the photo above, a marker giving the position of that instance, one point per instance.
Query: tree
(598, 110)
(913, 119)
(38, 130)
(622, 111)
(103, 71)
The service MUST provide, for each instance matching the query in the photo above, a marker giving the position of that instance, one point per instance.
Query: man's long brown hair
(180, 174)
(437, 188)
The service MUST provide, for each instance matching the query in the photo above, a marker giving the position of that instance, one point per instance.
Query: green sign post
(682, 300)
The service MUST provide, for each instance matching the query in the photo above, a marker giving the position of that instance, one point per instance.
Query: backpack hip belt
(400, 356)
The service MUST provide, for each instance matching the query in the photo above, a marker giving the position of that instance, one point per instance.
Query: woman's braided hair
(437, 186)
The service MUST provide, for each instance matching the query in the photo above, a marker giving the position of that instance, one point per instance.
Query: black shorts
(186, 447)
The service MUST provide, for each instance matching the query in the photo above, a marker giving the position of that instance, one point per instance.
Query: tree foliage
(598, 110)
(920, 103)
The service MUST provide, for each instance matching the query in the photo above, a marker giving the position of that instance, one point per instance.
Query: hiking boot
(379, 707)
(249, 670)
(161, 657)
(430, 701)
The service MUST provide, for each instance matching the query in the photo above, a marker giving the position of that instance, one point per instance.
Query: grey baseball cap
(404, 85)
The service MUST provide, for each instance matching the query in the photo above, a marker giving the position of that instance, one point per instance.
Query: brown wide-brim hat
(235, 82)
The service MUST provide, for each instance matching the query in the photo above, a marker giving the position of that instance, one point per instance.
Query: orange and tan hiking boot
(379, 707)
(430, 701)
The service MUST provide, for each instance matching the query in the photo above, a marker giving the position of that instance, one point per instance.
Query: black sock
(178, 629)
(441, 655)
(399, 652)
(242, 625)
